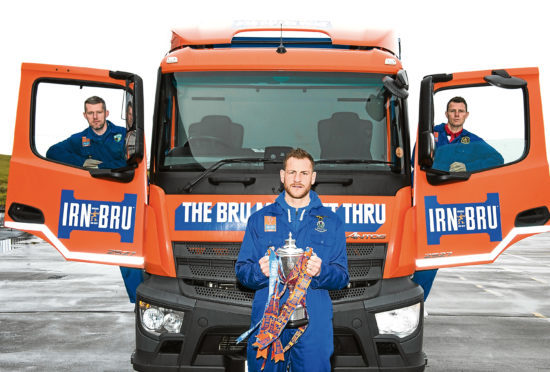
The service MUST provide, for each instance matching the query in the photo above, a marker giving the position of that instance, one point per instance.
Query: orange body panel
(250, 59)
(384, 39)
(159, 257)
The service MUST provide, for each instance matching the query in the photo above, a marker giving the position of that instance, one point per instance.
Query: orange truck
(229, 104)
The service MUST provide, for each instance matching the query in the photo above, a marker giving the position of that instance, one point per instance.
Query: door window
(493, 124)
(88, 135)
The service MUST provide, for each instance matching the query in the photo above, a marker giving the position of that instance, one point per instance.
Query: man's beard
(302, 194)
(99, 127)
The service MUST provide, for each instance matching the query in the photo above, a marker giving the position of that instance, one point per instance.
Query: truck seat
(220, 127)
(345, 136)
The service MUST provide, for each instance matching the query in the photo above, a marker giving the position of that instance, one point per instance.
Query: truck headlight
(157, 320)
(400, 322)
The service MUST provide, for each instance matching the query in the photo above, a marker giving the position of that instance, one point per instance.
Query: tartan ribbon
(275, 318)
(273, 284)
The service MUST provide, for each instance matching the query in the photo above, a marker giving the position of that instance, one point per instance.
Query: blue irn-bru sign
(233, 216)
(360, 217)
(220, 216)
(97, 216)
(463, 218)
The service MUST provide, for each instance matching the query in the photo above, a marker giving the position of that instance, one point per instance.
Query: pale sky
(436, 37)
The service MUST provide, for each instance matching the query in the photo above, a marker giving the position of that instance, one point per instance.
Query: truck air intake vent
(207, 270)
(365, 267)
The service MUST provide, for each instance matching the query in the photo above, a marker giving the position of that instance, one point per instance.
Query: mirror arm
(438, 177)
(125, 174)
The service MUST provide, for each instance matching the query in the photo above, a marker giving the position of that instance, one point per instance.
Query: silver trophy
(289, 255)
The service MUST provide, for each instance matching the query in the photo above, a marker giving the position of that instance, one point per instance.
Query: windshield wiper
(352, 161)
(215, 166)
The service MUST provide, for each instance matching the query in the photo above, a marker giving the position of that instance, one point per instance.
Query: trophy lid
(289, 249)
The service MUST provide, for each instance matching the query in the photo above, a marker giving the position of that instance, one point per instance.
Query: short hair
(94, 100)
(457, 99)
(298, 153)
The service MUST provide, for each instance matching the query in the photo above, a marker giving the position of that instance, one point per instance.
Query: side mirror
(426, 142)
(501, 79)
(135, 137)
(398, 86)
(135, 143)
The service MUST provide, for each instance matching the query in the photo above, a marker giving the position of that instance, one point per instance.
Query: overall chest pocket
(268, 240)
(321, 242)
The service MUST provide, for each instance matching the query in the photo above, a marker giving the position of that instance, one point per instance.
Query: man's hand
(264, 265)
(91, 163)
(457, 167)
(314, 266)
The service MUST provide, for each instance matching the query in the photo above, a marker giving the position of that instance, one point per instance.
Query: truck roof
(225, 36)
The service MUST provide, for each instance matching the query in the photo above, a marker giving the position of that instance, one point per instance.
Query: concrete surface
(57, 315)
(492, 317)
(70, 316)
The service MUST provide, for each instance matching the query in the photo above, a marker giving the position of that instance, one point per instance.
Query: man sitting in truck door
(468, 152)
(297, 210)
(101, 145)
(457, 150)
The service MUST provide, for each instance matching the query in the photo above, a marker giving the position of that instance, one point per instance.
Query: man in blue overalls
(101, 145)
(299, 211)
(457, 150)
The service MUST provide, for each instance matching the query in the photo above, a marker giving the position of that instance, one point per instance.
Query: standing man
(101, 145)
(457, 150)
(299, 211)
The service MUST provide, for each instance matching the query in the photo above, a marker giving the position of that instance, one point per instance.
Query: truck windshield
(212, 116)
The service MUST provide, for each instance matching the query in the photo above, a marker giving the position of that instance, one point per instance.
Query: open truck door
(472, 216)
(92, 215)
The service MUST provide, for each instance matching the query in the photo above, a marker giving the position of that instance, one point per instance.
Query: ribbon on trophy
(274, 318)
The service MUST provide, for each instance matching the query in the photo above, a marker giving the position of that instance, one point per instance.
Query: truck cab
(229, 104)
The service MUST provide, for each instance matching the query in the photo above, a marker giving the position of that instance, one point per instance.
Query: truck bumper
(358, 346)
(207, 339)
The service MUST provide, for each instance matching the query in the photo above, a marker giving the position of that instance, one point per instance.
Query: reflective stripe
(85, 256)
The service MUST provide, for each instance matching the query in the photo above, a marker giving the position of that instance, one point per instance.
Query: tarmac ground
(70, 316)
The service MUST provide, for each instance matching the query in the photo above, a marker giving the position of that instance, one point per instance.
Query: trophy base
(296, 323)
(298, 318)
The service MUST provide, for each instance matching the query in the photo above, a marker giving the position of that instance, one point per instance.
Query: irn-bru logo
(463, 218)
(233, 216)
(270, 224)
(97, 216)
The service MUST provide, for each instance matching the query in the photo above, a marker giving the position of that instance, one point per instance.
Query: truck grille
(365, 267)
(207, 271)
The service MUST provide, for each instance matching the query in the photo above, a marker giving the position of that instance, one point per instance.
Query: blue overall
(466, 148)
(314, 226)
(109, 149)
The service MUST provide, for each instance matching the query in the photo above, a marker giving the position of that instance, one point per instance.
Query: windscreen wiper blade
(215, 166)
